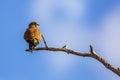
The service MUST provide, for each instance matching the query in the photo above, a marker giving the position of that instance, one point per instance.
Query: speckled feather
(33, 34)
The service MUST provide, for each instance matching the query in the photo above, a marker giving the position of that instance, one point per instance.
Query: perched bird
(32, 35)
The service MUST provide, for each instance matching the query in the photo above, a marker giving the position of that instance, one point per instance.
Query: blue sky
(76, 23)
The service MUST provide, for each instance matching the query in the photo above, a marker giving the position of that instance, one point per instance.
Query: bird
(32, 35)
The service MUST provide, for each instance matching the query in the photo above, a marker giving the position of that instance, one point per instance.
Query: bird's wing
(27, 34)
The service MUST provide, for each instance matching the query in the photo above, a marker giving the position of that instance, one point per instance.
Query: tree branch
(91, 54)
(44, 41)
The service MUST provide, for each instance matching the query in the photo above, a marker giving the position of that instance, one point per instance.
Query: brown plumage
(32, 35)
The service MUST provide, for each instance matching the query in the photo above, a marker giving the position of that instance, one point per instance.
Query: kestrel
(32, 35)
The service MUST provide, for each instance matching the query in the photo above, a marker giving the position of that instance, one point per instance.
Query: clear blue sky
(76, 23)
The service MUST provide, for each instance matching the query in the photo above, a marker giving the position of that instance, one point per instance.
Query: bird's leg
(30, 47)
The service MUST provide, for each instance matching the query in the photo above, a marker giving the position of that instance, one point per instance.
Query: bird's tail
(32, 44)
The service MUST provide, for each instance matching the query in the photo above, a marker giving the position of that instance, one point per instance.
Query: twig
(65, 46)
(91, 49)
(44, 41)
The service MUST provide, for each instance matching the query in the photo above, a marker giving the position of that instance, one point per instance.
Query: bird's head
(36, 24)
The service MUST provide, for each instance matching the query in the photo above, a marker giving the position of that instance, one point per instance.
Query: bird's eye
(38, 24)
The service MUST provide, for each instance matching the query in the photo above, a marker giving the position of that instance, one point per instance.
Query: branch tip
(44, 41)
(65, 46)
(91, 49)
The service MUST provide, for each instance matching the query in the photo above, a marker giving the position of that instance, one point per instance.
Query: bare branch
(104, 62)
(91, 54)
(44, 41)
